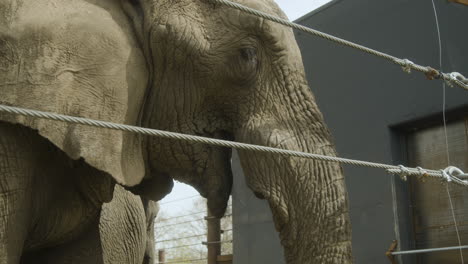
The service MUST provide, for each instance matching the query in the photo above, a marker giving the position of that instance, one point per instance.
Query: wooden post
(213, 238)
(161, 256)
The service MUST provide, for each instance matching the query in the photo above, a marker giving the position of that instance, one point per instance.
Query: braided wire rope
(181, 246)
(448, 174)
(180, 238)
(183, 261)
(407, 65)
(179, 200)
(182, 223)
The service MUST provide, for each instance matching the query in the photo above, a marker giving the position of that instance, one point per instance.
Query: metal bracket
(390, 250)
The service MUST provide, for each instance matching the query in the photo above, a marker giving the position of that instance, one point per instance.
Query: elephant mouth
(218, 134)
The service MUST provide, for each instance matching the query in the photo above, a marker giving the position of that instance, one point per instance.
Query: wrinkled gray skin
(59, 216)
(187, 66)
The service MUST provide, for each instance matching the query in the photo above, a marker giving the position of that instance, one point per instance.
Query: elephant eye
(247, 65)
(243, 66)
(249, 56)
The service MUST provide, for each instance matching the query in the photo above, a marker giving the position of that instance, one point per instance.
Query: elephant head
(217, 72)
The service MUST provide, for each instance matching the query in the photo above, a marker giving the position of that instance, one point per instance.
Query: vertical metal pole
(213, 238)
(161, 256)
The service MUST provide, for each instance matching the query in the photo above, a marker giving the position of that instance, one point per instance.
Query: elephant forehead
(255, 25)
(200, 13)
(179, 21)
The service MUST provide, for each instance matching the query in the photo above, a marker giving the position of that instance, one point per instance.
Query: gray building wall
(368, 104)
(255, 237)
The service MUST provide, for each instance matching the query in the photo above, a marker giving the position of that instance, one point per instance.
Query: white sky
(294, 9)
(172, 204)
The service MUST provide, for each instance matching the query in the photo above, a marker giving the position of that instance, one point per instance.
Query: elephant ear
(78, 59)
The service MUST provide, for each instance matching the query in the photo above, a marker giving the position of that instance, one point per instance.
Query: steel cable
(400, 170)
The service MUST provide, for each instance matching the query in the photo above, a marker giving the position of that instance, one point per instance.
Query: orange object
(463, 2)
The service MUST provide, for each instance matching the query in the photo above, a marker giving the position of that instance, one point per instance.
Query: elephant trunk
(308, 198)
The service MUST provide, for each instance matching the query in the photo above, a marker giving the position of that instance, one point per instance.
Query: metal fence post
(161, 256)
(213, 238)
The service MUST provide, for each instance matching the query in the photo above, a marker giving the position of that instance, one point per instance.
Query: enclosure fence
(193, 237)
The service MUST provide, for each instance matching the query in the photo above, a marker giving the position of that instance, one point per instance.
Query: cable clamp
(447, 77)
(422, 171)
(456, 172)
(404, 172)
(406, 65)
(446, 175)
(422, 174)
(459, 79)
(456, 78)
(450, 79)
(432, 74)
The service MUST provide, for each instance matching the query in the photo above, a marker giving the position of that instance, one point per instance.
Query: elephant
(124, 233)
(187, 66)
(62, 217)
